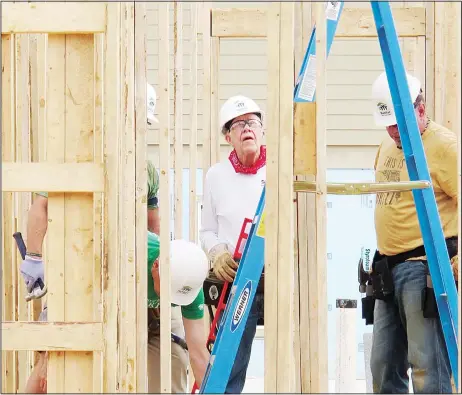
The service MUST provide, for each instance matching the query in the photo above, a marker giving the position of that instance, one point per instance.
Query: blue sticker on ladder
(241, 305)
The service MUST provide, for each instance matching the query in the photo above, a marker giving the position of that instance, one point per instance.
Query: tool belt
(213, 288)
(451, 244)
(381, 277)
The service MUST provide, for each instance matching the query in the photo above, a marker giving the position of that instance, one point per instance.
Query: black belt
(393, 260)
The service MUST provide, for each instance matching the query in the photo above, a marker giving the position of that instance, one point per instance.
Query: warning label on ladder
(332, 10)
(261, 226)
(308, 85)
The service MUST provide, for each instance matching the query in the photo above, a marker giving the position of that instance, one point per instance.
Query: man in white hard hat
(188, 270)
(231, 193)
(407, 331)
(32, 268)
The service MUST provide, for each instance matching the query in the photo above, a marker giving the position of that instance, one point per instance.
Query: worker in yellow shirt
(407, 331)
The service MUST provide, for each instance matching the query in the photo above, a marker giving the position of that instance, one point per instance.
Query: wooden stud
(215, 134)
(111, 260)
(55, 238)
(298, 59)
(430, 58)
(318, 274)
(128, 332)
(8, 249)
(178, 115)
(438, 66)
(193, 214)
(98, 204)
(78, 223)
(304, 219)
(285, 259)
(163, 105)
(141, 197)
(206, 26)
(193, 223)
(271, 201)
(22, 200)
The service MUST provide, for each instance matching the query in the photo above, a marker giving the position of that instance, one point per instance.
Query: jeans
(403, 338)
(241, 362)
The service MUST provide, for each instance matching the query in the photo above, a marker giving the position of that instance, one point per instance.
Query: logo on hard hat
(185, 290)
(383, 109)
(240, 105)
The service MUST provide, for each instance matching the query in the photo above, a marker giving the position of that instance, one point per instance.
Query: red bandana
(240, 168)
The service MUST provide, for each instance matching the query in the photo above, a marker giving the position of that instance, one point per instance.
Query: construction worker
(232, 191)
(32, 268)
(188, 269)
(407, 331)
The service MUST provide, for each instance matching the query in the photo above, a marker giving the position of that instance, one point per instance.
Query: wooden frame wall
(105, 74)
(75, 126)
(310, 354)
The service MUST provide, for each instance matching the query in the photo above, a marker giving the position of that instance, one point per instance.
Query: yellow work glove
(455, 266)
(224, 266)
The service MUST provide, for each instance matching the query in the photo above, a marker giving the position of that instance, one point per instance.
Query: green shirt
(153, 186)
(193, 311)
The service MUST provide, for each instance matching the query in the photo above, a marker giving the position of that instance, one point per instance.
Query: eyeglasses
(240, 125)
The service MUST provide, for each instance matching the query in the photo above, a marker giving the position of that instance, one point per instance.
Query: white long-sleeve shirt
(229, 198)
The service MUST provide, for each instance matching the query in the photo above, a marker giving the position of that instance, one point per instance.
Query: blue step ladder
(416, 162)
(248, 274)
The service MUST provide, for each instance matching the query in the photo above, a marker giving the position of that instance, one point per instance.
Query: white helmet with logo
(151, 104)
(236, 106)
(384, 114)
(188, 269)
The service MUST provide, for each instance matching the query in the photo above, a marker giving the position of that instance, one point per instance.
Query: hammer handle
(20, 243)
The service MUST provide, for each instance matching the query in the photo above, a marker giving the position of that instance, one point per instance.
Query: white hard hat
(384, 114)
(236, 106)
(151, 103)
(188, 271)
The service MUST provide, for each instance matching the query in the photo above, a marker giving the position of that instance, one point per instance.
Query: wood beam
(53, 17)
(305, 138)
(52, 177)
(52, 336)
(354, 22)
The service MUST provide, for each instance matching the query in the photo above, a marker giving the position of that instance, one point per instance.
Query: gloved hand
(224, 266)
(455, 266)
(32, 269)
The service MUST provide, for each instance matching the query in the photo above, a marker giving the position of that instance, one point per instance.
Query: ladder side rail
(427, 210)
(333, 13)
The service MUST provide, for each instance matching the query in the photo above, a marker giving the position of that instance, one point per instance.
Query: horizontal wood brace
(52, 177)
(360, 188)
(354, 22)
(52, 336)
(54, 17)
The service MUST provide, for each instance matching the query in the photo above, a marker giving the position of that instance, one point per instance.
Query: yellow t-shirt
(396, 222)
